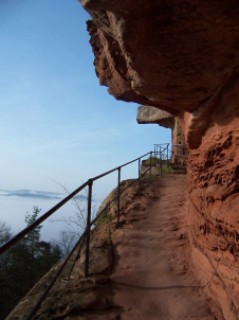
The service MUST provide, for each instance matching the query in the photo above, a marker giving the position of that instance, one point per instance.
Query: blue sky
(55, 120)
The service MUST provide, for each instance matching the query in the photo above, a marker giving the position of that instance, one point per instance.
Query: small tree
(5, 292)
(66, 242)
(5, 235)
(24, 263)
(32, 239)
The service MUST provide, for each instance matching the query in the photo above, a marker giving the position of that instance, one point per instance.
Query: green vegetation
(167, 169)
(104, 217)
(159, 166)
(24, 264)
(153, 160)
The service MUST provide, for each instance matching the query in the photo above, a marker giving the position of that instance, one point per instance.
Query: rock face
(147, 114)
(213, 184)
(182, 56)
(173, 54)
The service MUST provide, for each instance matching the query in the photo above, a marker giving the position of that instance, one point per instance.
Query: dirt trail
(152, 278)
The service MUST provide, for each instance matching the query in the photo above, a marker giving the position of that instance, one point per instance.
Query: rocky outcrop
(147, 114)
(182, 56)
(173, 54)
(213, 182)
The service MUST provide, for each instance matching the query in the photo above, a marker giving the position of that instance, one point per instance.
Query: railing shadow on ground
(86, 235)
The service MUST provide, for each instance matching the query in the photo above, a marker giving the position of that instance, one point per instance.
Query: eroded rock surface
(182, 56)
(148, 114)
(213, 182)
(173, 54)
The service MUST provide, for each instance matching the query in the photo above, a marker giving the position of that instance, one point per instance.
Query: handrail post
(118, 195)
(139, 173)
(161, 162)
(87, 248)
(150, 163)
(167, 153)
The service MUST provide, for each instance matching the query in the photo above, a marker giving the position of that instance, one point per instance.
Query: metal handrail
(79, 243)
(53, 280)
(87, 232)
(162, 150)
(38, 221)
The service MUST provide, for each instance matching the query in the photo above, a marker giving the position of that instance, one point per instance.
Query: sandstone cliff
(182, 56)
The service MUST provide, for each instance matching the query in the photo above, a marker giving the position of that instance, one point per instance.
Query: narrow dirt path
(152, 278)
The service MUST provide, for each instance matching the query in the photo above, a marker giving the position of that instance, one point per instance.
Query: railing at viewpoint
(85, 237)
(160, 152)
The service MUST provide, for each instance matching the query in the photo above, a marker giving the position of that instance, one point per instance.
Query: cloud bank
(44, 195)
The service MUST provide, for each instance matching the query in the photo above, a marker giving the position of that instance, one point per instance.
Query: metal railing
(86, 236)
(176, 156)
(162, 152)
